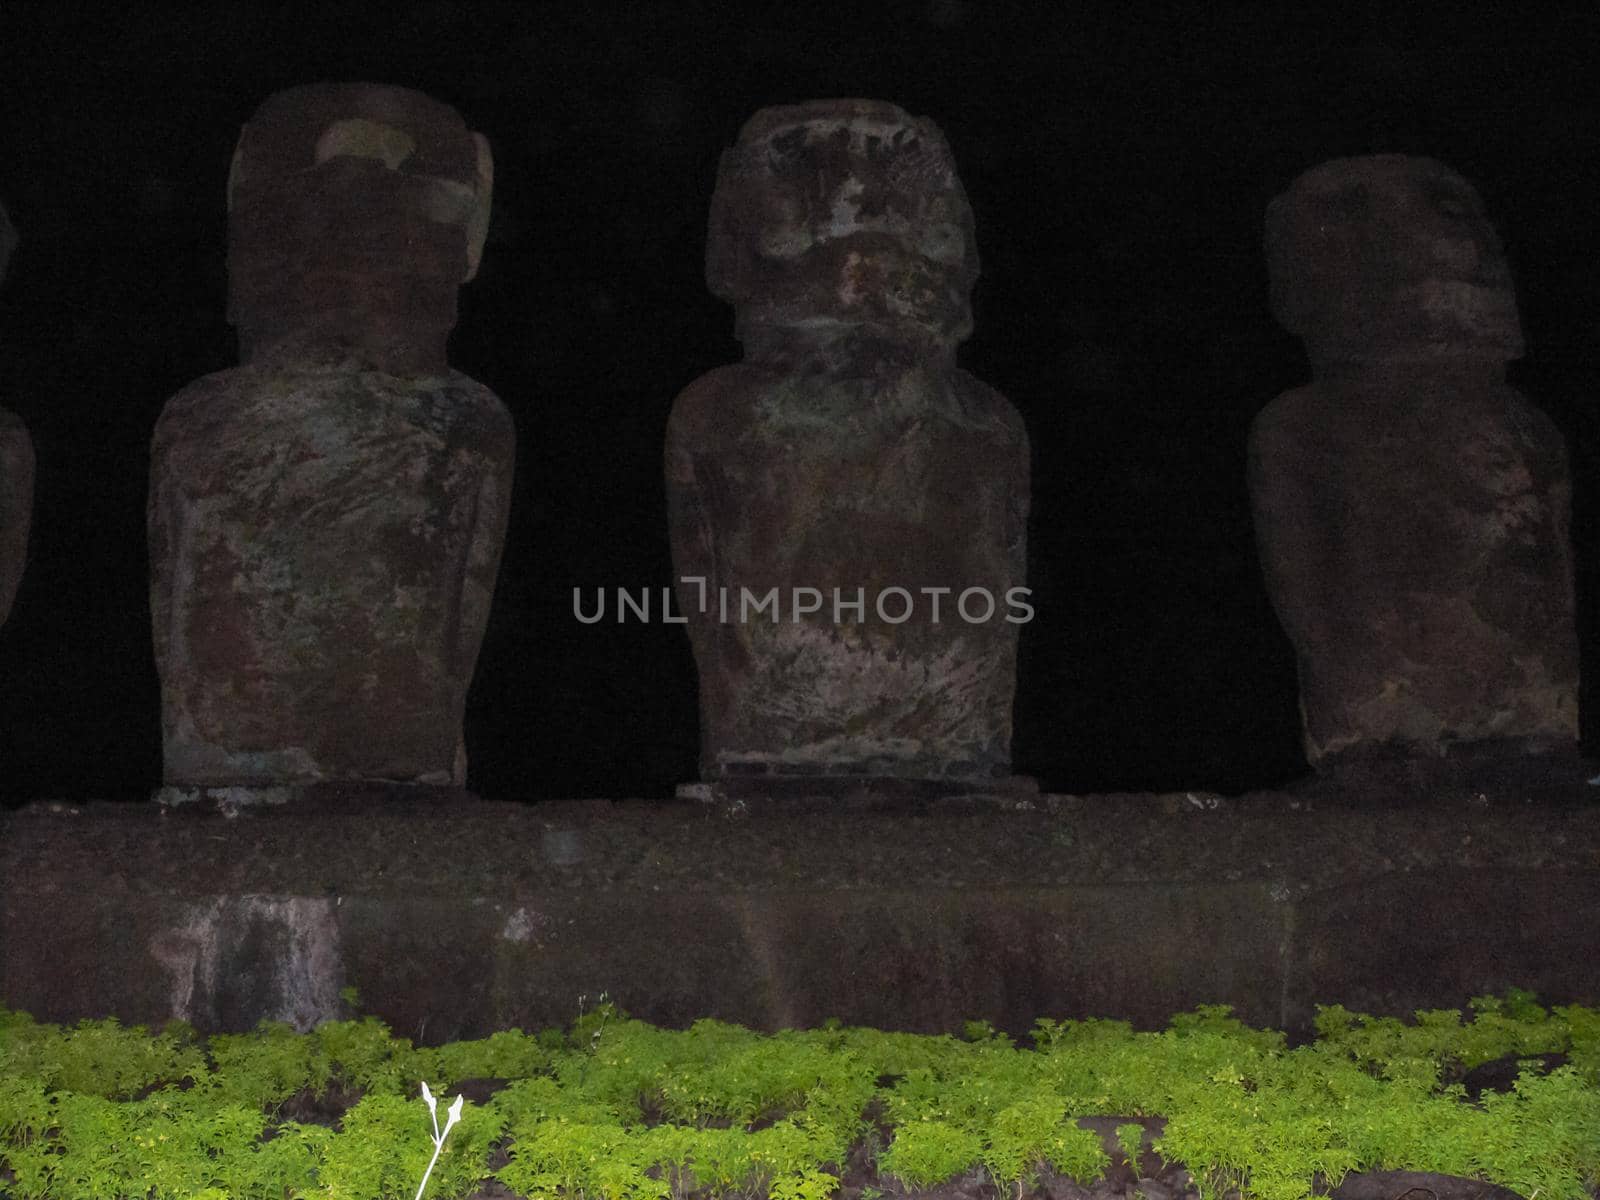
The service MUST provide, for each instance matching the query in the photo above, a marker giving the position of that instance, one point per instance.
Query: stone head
(1390, 258)
(846, 212)
(355, 209)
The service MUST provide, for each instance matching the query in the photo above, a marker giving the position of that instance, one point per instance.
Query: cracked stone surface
(1411, 509)
(326, 519)
(848, 451)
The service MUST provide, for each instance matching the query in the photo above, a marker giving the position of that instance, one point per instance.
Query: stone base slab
(456, 919)
(736, 796)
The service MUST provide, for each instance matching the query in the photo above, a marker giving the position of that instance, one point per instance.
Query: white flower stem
(437, 1147)
(451, 1118)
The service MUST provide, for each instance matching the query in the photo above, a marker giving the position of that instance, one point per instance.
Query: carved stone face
(354, 201)
(1390, 258)
(843, 211)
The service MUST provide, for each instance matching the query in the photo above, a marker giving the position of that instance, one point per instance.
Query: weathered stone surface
(848, 456)
(1411, 509)
(16, 506)
(326, 520)
(355, 211)
(1387, 259)
(16, 470)
(1130, 906)
(231, 961)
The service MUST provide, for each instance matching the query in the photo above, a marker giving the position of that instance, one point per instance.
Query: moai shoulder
(847, 454)
(16, 469)
(326, 519)
(1411, 508)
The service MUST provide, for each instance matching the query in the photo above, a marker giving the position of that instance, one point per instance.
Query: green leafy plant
(1131, 1138)
(99, 1058)
(806, 1185)
(615, 1109)
(929, 1153)
(267, 1066)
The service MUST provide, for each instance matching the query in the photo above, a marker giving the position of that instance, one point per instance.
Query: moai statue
(16, 470)
(326, 520)
(1411, 509)
(848, 508)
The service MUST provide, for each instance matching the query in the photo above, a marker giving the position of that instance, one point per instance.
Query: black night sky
(1119, 161)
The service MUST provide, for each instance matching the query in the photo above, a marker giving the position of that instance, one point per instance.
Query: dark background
(1119, 164)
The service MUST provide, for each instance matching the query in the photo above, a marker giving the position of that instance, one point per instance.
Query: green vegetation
(615, 1109)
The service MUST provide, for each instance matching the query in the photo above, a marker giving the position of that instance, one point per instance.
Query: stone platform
(454, 916)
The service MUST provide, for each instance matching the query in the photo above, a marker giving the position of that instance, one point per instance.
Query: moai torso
(847, 457)
(16, 471)
(1411, 508)
(326, 520)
